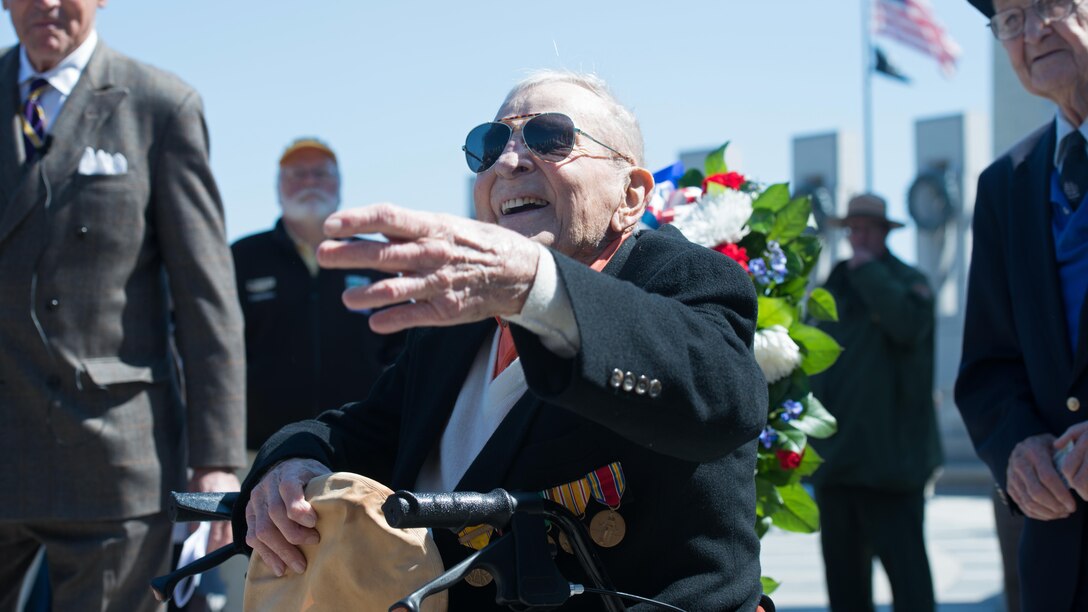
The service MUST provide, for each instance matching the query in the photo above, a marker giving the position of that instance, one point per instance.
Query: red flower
(734, 252)
(788, 459)
(732, 180)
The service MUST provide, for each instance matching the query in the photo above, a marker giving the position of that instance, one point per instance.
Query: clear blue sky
(394, 87)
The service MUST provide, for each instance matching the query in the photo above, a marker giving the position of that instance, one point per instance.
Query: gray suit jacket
(121, 355)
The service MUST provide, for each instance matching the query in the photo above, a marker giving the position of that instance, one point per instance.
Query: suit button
(655, 388)
(82, 231)
(53, 381)
(53, 304)
(1073, 404)
(617, 378)
(642, 384)
(628, 381)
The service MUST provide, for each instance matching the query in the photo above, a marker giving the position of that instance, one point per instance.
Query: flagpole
(867, 93)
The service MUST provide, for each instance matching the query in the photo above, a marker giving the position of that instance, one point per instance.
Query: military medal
(478, 577)
(564, 543)
(475, 537)
(607, 528)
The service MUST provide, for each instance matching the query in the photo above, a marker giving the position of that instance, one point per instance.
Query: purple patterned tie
(34, 118)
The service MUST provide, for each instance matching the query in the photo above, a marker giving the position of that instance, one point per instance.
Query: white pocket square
(100, 162)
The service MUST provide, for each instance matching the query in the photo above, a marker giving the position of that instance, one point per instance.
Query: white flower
(716, 219)
(776, 353)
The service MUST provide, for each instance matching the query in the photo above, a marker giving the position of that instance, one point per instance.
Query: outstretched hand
(451, 270)
(278, 517)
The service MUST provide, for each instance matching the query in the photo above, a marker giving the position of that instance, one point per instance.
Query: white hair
(625, 136)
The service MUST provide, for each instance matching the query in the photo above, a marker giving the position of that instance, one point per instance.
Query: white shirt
(62, 78)
(483, 403)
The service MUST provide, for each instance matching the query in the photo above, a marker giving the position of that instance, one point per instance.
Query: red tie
(507, 352)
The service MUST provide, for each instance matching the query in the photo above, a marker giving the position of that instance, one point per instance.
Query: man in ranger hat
(871, 487)
(1024, 373)
(305, 351)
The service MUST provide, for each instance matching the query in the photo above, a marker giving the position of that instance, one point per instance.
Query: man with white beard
(306, 352)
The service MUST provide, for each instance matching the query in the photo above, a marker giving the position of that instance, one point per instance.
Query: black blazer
(665, 308)
(1018, 376)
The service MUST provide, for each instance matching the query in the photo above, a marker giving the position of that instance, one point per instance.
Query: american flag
(913, 23)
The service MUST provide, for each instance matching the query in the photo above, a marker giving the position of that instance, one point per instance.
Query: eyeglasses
(549, 136)
(1009, 24)
(293, 173)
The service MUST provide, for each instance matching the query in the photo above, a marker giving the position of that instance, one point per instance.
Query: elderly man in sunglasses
(1023, 379)
(556, 350)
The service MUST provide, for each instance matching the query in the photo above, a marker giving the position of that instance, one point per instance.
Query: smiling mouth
(519, 205)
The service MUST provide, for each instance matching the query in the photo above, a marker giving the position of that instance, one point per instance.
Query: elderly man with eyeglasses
(1024, 373)
(553, 346)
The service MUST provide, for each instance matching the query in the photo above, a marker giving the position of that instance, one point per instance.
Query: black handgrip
(187, 507)
(405, 509)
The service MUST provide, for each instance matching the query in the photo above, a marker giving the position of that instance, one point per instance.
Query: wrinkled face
(1051, 60)
(50, 30)
(309, 186)
(868, 234)
(569, 205)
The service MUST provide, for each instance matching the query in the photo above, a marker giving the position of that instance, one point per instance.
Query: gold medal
(564, 543)
(607, 528)
(478, 577)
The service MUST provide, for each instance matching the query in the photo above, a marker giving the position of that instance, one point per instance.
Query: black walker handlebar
(520, 561)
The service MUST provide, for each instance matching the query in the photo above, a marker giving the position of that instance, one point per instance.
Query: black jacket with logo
(305, 351)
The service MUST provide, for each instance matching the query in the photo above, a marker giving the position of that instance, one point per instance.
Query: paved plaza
(963, 554)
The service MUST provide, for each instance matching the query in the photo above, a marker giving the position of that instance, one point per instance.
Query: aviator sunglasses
(549, 136)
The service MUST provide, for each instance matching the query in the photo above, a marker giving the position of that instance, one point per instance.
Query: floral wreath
(768, 233)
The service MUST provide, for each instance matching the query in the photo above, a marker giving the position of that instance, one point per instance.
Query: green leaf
(774, 198)
(815, 420)
(755, 242)
(691, 178)
(820, 349)
(799, 512)
(793, 288)
(809, 462)
(760, 221)
(808, 248)
(790, 438)
(769, 584)
(775, 311)
(821, 305)
(715, 162)
(790, 221)
(768, 498)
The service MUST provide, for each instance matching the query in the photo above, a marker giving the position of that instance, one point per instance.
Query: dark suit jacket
(1018, 374)
(665, 308)
(95, 272)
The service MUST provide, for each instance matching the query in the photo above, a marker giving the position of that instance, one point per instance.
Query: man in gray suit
(121, 356)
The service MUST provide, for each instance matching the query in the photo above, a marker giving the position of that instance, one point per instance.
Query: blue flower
(792, 409)
(768, 437)
(777, 271)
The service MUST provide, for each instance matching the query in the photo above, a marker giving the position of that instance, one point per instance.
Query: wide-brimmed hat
(865, 205)
(306, 143)
(986, 6)
(361, 562)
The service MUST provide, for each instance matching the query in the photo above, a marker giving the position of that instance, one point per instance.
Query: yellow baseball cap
(308, 142)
